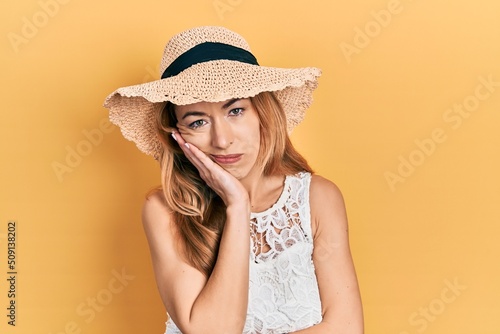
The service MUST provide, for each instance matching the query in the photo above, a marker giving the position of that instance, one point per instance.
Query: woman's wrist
(240, 208)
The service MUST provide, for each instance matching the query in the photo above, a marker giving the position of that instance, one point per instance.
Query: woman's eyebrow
(194, 113)
(228, 104)
(201, 113)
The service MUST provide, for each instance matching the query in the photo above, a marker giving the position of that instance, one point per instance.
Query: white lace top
(283, 293)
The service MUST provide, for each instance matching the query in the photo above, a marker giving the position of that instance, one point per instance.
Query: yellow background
(412, 237)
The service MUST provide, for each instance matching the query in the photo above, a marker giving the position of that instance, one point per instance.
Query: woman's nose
(222, 134)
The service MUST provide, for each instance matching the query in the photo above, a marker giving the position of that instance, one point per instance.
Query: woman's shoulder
(321, 185)
(154, 200)
(159, 225)
(326, 201)
(155, 210)
(320, 188)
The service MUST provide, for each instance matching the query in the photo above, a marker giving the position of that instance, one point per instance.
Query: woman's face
(228, 132)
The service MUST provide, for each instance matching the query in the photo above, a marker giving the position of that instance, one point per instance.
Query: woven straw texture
(133, 108)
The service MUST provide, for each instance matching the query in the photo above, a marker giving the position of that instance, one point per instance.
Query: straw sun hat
(210, 64)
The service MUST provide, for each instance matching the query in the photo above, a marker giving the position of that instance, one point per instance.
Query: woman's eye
(236, 112)
(197, 124)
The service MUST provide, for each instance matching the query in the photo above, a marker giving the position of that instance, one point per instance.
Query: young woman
(243, 237)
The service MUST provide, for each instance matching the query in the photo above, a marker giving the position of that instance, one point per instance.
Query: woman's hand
(222, 182)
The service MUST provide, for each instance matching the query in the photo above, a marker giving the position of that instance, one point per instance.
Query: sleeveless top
(283, 290)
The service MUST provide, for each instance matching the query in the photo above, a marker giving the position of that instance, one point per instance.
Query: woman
(242, 236)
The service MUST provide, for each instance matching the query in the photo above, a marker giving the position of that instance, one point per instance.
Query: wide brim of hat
(134, 108)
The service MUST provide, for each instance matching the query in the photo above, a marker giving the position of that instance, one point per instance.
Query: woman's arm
(338, 286)
(197, 304)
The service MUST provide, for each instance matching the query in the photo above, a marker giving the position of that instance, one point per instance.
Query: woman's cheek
(184, 131)
(197, 138)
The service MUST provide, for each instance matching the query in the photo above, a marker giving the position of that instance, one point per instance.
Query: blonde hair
(198, 212)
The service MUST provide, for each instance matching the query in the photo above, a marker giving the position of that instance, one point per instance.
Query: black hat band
(206, 52)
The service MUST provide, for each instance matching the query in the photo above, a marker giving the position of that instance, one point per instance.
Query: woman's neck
(263, 191)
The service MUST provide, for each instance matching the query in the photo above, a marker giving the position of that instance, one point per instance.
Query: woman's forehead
(202, 105)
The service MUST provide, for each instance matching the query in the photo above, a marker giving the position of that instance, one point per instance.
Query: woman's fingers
(200, 156)
(186, 148)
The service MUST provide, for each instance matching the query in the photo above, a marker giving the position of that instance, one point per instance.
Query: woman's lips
(227, 159)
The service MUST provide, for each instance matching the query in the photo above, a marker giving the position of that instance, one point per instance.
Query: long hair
(198, 212)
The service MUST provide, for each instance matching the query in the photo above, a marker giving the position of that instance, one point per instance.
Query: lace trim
(281, 226)
(279, 203)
